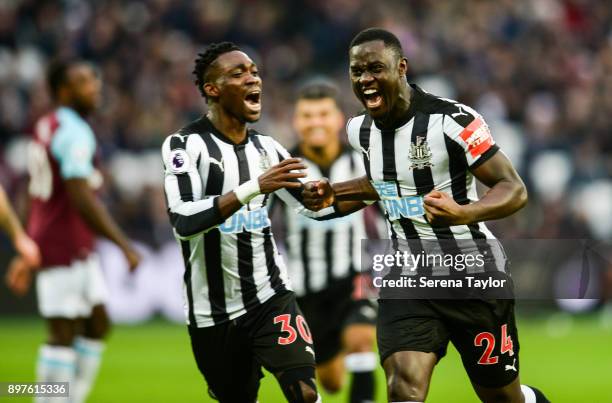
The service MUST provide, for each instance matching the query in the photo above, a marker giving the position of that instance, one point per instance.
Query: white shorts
(71, 291)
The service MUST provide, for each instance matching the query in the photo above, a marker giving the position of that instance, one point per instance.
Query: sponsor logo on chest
(397, 206)
(420, 154)
(246, 220)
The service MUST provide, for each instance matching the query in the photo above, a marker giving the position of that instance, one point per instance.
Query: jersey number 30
(302, 329)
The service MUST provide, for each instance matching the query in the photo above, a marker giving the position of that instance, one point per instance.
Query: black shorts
(329, 312)
(230, 356)
(483, 332)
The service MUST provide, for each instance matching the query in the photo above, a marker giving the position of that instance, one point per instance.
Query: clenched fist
(318, 195)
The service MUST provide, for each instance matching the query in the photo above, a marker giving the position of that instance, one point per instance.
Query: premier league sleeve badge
(178, 161)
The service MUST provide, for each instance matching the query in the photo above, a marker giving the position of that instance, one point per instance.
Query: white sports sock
(319, 399)
(529, 394)
(56, 364)
(89, 355)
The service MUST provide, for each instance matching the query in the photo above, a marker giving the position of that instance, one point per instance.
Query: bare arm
(347, 197)
(95, 214)
(297, 197)
(9, 223)
(355, 189)
(507, 194)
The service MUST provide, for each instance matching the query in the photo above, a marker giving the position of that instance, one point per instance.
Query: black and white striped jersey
(433, 148)
(320, 253)
(232, 265)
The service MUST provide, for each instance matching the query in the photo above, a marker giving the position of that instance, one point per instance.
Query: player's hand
(133, 258)
(280, 176)
(27, 248)
(318, 195)
(441, 209)
(19, 276)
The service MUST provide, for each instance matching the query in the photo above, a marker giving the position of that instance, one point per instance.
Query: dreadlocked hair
(205, 59)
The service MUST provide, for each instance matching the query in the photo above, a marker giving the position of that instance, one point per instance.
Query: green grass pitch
(570, 361)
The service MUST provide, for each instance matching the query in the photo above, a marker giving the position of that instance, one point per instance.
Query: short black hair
(57, 74)
(378, 34)
(319, 88)
(206, 58)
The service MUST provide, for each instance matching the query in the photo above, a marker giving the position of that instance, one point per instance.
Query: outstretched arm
(191, 215)
(294, 197)
(347, 197)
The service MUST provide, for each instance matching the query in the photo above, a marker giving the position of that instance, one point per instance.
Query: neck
(81, 113)
(400, 108)
(232, 128)
(322, 156)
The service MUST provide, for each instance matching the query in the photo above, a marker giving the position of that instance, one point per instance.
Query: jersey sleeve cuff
(485, 156)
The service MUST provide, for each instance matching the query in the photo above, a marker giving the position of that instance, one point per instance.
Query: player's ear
(211, 90)
(403, 66)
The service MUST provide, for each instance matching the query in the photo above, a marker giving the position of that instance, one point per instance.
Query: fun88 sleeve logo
(396, 206)
(243, 219)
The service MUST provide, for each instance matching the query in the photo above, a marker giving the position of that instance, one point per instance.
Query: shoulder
(354, 123)
(71, 127)
(265, 140)
(433, 104)
(260, 139)
(187, 137)
(73, 136)
(254, 132)
(353, 128)
(177, 140)
(183, 148)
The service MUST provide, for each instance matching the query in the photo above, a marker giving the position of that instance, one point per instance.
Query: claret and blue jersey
(63, 148)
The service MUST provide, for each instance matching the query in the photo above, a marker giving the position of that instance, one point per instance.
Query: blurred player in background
(65, 215)
(324, 256)
(23, 244)
(421, 148)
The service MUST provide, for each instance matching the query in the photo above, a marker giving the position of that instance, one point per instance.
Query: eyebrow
(242, 66)
(366, 64)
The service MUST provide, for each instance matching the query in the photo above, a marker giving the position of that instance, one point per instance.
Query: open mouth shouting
(373, 99)
(252, 100)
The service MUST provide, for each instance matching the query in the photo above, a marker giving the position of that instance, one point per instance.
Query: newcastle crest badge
(264, 161)
(420, 154)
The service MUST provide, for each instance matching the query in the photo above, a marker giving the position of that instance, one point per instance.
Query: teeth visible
(369, 91)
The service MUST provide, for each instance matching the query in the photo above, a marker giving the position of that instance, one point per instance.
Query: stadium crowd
(540, 71)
